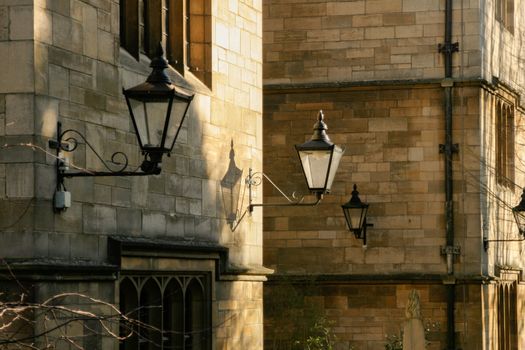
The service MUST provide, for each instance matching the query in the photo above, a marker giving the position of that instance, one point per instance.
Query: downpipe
(448, 149)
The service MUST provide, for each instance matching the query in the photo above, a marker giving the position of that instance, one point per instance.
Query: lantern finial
(320, 128)
(159, 64)
(355, 196)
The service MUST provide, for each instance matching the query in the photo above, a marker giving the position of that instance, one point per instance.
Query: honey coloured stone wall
(392, 137)
(368, 315)
(357, 40)
(239, 322)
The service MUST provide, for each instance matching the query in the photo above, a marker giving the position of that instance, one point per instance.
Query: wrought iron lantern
(355, 214)
(320, 158)
(519, 214)
(157, 110)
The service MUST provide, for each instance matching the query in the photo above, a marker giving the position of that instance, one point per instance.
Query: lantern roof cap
(355, 201)
(158, 82)
(319, 139)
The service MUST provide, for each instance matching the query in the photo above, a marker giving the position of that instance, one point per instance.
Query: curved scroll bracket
(69, 140)
(256, 179)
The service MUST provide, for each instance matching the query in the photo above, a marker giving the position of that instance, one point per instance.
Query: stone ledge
(412, 278)
(44, 269)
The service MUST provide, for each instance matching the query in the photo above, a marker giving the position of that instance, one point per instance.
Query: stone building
(427, 98)
(170, 249)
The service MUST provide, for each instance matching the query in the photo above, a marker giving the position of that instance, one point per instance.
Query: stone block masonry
(362, 40)
(391, 136)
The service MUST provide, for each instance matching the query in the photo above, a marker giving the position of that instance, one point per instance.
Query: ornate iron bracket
(69, 140)
(255, 179)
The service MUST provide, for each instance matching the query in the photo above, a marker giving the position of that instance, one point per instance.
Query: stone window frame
(505, 147)
(507, 315)
(505, 13)
(190, 321)
(167, 258)
(183, 27)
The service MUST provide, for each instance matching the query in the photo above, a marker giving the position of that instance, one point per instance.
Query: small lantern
(519, 214)
(355, 215)
(320, 158)
(157, 110)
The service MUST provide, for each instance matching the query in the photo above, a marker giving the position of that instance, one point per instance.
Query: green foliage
(394, 342)
(319, 338)
(297, 321)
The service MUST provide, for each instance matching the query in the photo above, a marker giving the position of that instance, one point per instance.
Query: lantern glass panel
(150, 119)
(316, 164)
(336, 158)
(355, 217)
(178, 112)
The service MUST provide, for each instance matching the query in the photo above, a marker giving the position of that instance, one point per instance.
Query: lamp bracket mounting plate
(454, 148)
(448, 47)
(454, 250)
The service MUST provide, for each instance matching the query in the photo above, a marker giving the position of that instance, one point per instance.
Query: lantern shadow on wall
(230, 190)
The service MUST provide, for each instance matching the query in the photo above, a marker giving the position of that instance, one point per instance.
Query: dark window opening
(504, 144)
(507, 317)
(182, 26)
(505, 13)
(169, 312)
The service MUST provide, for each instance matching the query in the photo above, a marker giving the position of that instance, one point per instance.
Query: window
(182, 26)
(198, 39)
(504, 144)
(507, 316)
(172, 312)
(505, 13)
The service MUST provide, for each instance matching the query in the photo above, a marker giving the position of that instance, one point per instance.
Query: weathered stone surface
(21, 179)
(16, 71)
(58, 82)
(19, 19)
(107, 78)
(154, 223)
(99, 219)
(43, 25)
(89, 26)
(4, 23)
(19, 114)
(129, 221)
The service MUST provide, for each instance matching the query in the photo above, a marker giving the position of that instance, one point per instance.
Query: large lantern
(157, 110)
(320, 158)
